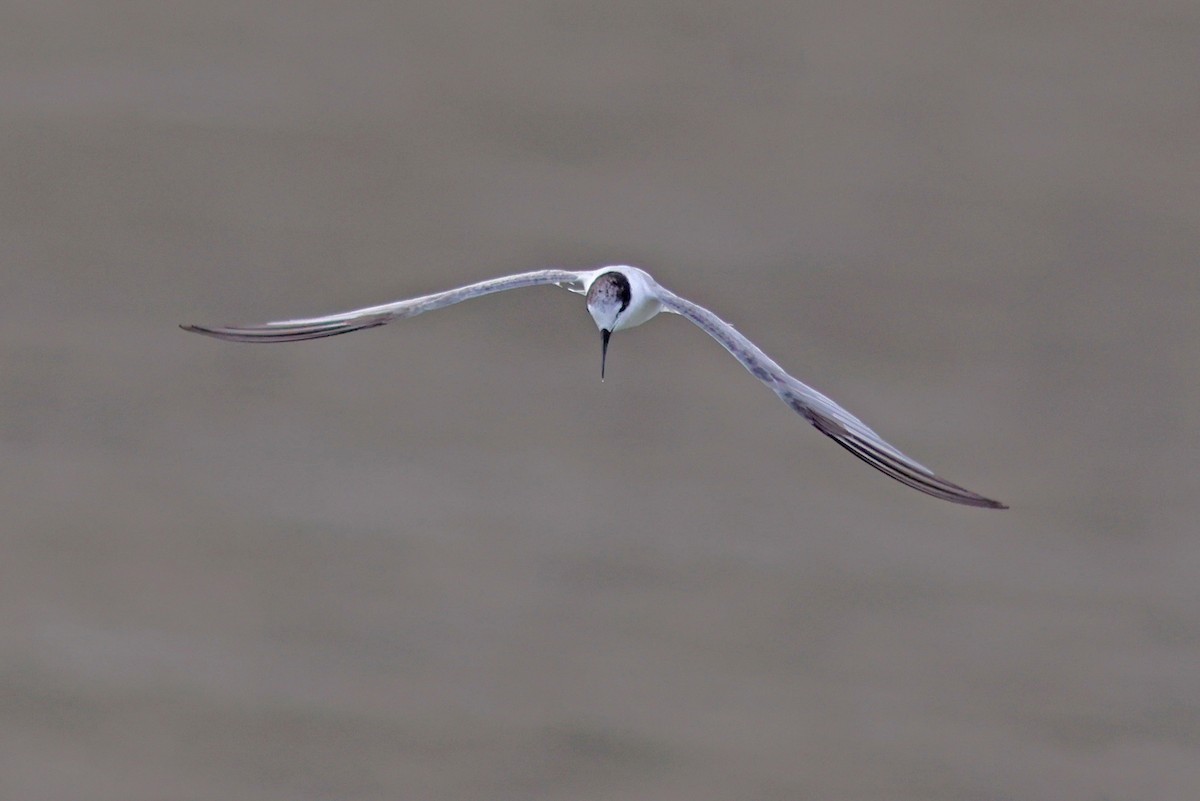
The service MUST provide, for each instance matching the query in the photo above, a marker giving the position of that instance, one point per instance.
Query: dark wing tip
(919, 480)
(285, 333)
(901, 470)
(910, 476)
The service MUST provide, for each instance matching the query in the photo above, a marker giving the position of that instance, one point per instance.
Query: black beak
(604, 335)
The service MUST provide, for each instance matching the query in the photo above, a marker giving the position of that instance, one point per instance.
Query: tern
(621, 297)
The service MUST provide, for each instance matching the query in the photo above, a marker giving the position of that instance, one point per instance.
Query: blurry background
(441, 560)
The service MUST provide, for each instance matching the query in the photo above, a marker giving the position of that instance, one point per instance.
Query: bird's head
(607, 299)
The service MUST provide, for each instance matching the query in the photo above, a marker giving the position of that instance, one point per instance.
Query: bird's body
(619, 298)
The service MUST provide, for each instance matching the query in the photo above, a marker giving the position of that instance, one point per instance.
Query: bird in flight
(622, 297)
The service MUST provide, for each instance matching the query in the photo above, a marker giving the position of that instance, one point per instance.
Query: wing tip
(286, 332)
(991, 504)
(192, 328)
(976, 500)
(896, 465)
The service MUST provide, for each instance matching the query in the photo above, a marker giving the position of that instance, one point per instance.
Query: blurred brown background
(441, 560)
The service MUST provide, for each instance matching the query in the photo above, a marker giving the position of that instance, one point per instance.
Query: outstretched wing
(828, 417)
(333, 324)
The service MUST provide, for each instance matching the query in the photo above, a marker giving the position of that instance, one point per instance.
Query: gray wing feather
(828, 417)
(344, 322)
